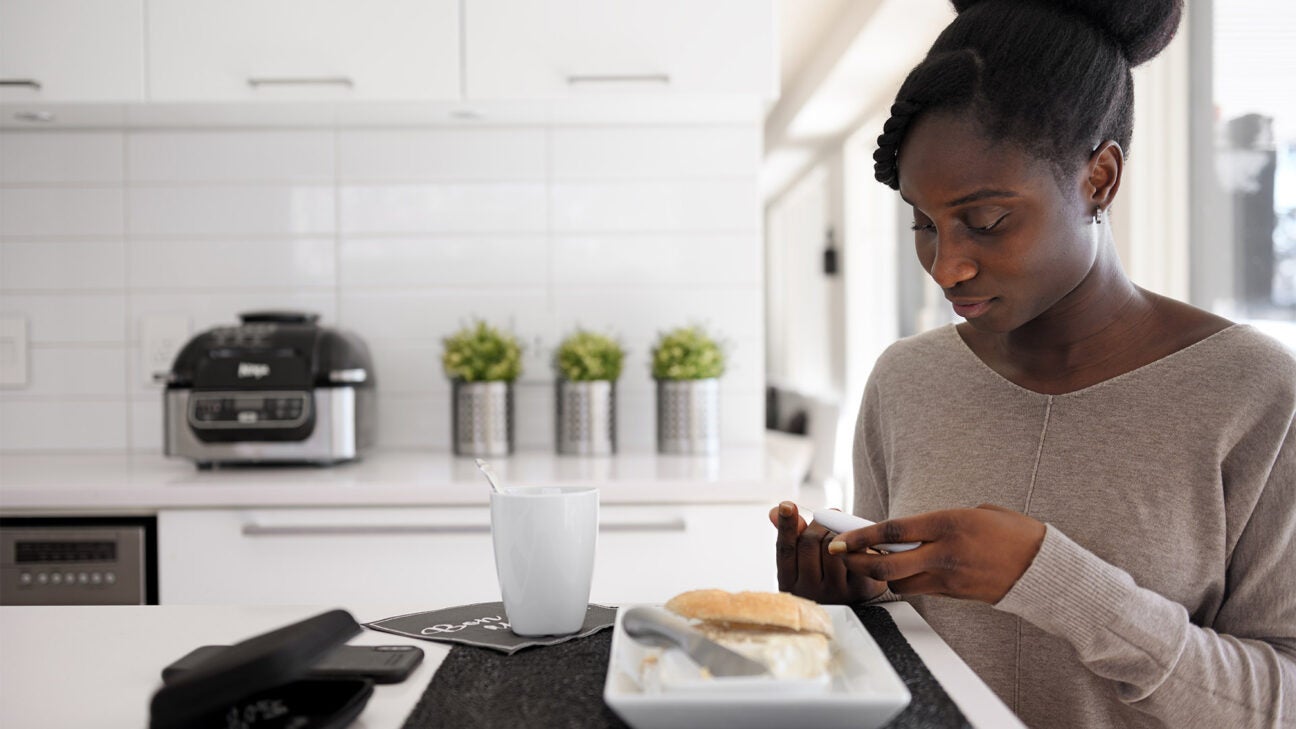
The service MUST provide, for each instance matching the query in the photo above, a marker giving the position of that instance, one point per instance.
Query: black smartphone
(381, 663)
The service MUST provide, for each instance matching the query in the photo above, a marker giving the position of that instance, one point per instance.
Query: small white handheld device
(841, 522)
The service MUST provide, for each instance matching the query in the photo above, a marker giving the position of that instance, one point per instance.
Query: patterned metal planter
(688, 416)
(586, 418)
(482, 418)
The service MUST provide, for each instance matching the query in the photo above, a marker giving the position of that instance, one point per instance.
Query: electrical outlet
(161, 337)
(13, 351)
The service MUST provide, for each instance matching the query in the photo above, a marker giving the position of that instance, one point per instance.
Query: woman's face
(992, 226)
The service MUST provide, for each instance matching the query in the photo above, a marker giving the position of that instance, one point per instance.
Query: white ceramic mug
(544, 555)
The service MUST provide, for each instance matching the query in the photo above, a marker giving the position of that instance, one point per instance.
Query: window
(1243, 137)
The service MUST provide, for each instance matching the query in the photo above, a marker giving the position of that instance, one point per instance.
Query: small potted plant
(687, 363)
(588, 366)
(482, 363)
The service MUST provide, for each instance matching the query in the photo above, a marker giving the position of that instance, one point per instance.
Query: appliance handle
(28, 82)
(258, 81)
(253, 529)
(599, 78)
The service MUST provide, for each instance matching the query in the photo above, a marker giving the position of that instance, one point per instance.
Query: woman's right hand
(806, 569)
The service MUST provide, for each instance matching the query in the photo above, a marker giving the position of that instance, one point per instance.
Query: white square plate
(864, 692)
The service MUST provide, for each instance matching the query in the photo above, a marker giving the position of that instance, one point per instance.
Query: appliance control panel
(249, 409)
(58, 565)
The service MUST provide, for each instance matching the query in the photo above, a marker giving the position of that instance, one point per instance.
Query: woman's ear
(1103, 175)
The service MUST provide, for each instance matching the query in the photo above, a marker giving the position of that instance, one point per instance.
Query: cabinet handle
(28, 82)
(256, 81)
(676, 524)
(645, 78)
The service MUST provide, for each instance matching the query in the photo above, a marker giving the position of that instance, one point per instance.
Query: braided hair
(1051, 76)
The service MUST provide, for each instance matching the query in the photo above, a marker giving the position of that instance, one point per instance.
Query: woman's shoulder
(920, 350)
(1252, 353)
(1210, 343)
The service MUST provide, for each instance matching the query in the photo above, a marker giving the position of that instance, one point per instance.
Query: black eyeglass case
(259, 683)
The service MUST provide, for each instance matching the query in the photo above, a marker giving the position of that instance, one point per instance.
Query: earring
(1098, 216)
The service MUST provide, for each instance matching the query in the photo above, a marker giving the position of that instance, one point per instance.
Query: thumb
(996, 507)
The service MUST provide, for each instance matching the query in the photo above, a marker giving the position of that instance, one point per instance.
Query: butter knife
(659, 627)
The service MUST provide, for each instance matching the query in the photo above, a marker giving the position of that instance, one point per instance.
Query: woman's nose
(950, 264)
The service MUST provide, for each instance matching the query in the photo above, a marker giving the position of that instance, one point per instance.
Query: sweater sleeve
(869, 464)
(1238, 672)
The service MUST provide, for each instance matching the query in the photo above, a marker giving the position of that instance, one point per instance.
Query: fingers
(790, 525)
(810, 558)
(927, 527)
(891, 567)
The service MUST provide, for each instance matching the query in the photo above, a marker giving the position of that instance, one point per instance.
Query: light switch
(161, 337)
(13, 351)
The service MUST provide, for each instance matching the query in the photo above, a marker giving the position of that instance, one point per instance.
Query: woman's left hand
(974, 554)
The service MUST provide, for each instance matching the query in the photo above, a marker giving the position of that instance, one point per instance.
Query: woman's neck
(1096, 331)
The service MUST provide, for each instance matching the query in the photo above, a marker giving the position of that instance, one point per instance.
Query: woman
(1132, 560)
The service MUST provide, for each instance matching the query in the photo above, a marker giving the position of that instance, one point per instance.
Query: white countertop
(99, 484)
(98, 666)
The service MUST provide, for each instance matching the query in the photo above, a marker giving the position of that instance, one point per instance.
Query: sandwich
(788, 634)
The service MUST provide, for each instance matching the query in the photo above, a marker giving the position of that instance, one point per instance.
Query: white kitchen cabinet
(231, 50)
(551, 49)
(443, 555)
(71, 50)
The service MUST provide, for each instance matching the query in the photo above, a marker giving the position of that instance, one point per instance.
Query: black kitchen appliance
(277, 388)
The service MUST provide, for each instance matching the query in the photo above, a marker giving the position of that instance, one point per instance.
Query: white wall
(400, 234)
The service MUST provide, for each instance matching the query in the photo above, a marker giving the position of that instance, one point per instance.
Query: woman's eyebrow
(983, 194)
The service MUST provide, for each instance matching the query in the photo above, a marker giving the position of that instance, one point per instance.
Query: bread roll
(788, 634)
(754, 609)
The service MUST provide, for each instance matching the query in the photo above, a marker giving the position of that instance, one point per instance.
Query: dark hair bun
(1142, 28)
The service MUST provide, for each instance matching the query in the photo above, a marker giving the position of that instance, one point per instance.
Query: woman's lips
(971, 309)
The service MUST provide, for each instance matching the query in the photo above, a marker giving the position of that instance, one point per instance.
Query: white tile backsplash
(656, 153)
(684, 206)
(61, 265)
(65, 318)
(60, 157)
(233, 264)
(146, 424)
(618, 258)
(207, 309)
(485, 155)
(402, 235)
(404, 367)
(462, 260)
(72, 371)
(242, 210)
(474, 207)
(65, 425)
(65, 211)
(639, 313)
(414, 421)
(255, 156)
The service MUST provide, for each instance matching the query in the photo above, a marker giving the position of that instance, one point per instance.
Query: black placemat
(929, 705)
(561, 686)
(485, 625)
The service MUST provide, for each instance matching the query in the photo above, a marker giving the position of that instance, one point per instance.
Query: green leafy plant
(585, 356)
(482, 353)
(687, 353)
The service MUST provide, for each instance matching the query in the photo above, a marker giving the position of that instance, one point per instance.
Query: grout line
(129, 304)
(337, 223)
(377, 181)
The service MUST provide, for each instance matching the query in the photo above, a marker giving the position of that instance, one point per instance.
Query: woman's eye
(916, 226)
(987, 228)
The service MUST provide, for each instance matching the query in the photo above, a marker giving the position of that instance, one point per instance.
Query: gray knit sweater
(1164, 593)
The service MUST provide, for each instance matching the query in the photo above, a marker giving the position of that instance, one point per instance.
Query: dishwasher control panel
(43, 564)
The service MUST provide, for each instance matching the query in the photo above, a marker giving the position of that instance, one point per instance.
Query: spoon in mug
(485, 468)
